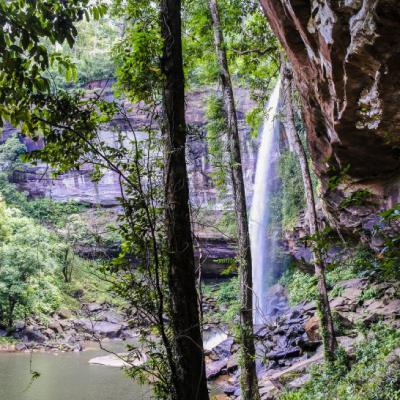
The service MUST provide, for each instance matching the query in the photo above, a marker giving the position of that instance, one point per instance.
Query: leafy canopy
(24, 58)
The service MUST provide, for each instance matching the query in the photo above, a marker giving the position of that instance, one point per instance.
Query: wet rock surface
(289, 343)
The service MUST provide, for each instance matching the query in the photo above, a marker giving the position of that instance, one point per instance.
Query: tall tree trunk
(248, 379)
(190, 381)
(328, 333)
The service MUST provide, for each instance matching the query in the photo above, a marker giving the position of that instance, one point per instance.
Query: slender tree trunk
(328, 333)
(190, 381)
(248, 379)
(10, 316)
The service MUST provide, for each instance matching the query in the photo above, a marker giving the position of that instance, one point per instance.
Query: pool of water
(66, 376)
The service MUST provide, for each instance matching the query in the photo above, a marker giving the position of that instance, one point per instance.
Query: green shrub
(28, 268)
(357, 198)
(300, 286)
(368, 377)
(227, 224)
(369, 293)
(42, 209)
(227, 296)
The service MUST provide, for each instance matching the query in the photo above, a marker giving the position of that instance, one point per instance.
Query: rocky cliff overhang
(345, 56)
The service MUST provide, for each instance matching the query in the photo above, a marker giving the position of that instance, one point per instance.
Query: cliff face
(77, 185)
(346, 61)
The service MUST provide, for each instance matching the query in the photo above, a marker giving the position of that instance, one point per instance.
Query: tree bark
(190, 380)
(248, 379)
(328, 333)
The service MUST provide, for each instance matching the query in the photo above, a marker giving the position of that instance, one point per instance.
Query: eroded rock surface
(345, 57)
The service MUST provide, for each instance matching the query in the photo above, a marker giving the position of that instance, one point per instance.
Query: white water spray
(263, 243)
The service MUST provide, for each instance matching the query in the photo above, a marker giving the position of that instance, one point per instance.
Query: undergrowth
(226, 295)
(302, 286)
(368, 375)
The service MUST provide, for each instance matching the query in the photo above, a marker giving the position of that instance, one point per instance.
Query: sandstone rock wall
(77, 185)
(346, 60)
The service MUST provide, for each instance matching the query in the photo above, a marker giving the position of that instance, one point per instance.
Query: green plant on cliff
(226, 296)
(217, 143)
(390, 255)
(357, 198)
(292, 189)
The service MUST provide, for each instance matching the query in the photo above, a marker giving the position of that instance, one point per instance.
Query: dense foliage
(25, 59)
(360, 262)
(29, 264)
(217, 143)
(292, 199)
(372, 374)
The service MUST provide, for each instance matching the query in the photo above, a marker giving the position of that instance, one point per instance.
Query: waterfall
(264, 242)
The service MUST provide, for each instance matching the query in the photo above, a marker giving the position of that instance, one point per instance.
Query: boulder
(78, 347)
(299, 382)
(339, 303)
(55, 326)
(111, 316)
(384, 307)
(102, 328)
(306, 344)
(119, 360)
(232, 363)
(49, 333)
(64, 313)
(285, 353)
(221, 397)
(20, 346)
(353, 294)
(84, 324)
(215, 368)
(228, 389)
(108, 329)
(348, 319)
(30, 334)
(129, 334)
(65, 324)
(311, 328)
(93, 307)
(223, 350)
(19, 325)
(354, 283)
(309, 308)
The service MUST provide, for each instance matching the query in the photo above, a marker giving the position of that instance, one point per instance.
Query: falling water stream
(263, 241)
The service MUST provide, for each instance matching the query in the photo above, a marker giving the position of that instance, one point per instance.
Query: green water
(66, 376)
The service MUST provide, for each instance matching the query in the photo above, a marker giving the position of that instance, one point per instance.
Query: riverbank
(68, 330)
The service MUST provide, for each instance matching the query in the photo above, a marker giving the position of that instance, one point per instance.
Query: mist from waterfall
(264, 243)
